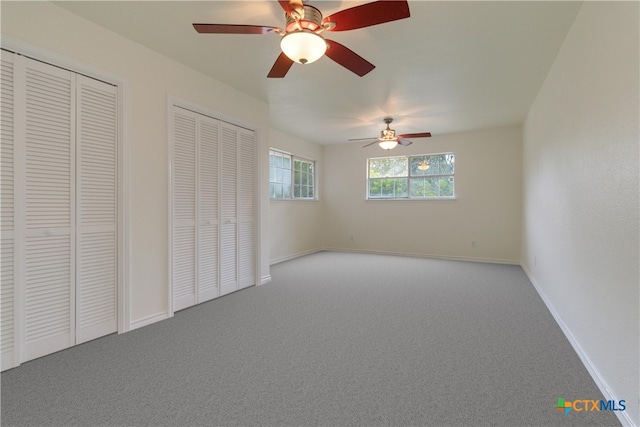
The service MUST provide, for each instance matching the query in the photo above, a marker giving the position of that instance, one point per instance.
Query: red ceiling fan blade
(234, 29)
(281, 67)
(402, 139)
(348, 58)
(369, 14)
(289, 5)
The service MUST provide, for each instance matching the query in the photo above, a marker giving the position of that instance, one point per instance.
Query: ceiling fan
(388, 138)
(302, 40)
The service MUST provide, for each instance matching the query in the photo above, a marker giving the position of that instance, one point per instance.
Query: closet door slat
(97, 210)
(246, 246)
(229, 209)
(49, 221)
(208, 149)
(7, 240)
(183, 184)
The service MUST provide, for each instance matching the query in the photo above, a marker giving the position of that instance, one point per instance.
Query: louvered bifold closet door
(96, 209)
(7, 240)
(246, 248)
(207, 202)
(49, 217)
(183, 262)
(228, 209)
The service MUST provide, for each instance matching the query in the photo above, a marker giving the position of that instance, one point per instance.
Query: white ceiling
(452, 66)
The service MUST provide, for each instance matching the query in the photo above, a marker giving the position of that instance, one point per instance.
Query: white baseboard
(431, 256)
(623, 417)
(294, 256)
(265, 279)
(148, 320)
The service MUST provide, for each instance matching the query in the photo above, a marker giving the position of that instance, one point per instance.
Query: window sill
(293, 200)
(399, 199)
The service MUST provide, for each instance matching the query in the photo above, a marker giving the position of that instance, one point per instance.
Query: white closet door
(49, 220)
(228, 209)
(246, 248)
(7, 242)
(183, 165)
(207, 238)
(96, 210)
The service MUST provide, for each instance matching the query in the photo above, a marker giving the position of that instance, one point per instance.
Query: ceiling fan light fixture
(388, 144)
(303, 46)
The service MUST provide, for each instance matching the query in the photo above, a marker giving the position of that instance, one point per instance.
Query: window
(291, 177)
(428, 176)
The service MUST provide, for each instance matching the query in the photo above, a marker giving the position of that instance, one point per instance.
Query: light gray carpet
(336, 339)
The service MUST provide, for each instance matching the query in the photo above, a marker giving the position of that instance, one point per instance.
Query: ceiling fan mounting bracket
(388, 120)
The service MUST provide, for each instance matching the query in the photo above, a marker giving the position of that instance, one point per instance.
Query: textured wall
(486, 210)
(295, 226)
(580, 211)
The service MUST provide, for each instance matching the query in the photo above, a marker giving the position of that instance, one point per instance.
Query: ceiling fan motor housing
(311, 20)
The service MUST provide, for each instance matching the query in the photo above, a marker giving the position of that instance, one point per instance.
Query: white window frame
(291, 181)
(408, 177)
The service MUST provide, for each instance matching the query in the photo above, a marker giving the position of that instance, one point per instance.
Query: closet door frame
(176, 101)
(38, 53)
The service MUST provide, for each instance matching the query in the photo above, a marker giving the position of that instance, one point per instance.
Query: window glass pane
(446, 187)
(387, 187)
(381, 167)
(304, 191)
(434, 165)
(278, 190)
(374, 168)
(418, 187)
(296, 165)
(272, 190)
(272, 174)
(310, 195)
(432, 187)
(278, 161)
(420, 165)
(303, 178)
(272, 160)
(400, 166)
(296, 190)
(447, 164)
(400, 187)
(278, 175)
(375, 189)
(286, 191)
(286, 162)
(286, 177)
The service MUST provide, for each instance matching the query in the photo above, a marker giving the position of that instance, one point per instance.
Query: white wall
(295, 226)
(487, 208)
(151, 77)
(580, 209)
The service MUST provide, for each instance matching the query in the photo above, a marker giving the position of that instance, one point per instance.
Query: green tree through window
(429, 176)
